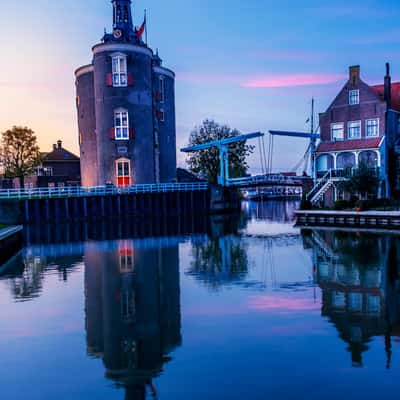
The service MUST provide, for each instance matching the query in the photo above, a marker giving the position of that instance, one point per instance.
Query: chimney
(59, 144)
(54, 147)
(388, 87)
(354, 73)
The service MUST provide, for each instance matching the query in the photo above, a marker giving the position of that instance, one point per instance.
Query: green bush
(341, 205)
(305, 204)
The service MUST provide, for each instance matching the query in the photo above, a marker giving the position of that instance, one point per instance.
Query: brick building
(59, 168)
(361, 125)
(126, 109)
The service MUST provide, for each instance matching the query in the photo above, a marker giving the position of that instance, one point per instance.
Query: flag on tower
(142, 28)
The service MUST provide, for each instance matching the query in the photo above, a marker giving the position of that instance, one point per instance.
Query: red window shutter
(131, 133)
(109, 80)
(131, 79)
(112, 133)
(159, 115)
(158, 96)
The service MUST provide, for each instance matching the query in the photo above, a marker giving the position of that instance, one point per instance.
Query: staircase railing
(319, 185)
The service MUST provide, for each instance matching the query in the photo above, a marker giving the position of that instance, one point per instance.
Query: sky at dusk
(253, 64)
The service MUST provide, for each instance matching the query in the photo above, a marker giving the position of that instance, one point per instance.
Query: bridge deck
(266, 180)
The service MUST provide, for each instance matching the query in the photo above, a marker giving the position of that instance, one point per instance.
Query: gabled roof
(348, 145)
(60, 154)
(380, 90)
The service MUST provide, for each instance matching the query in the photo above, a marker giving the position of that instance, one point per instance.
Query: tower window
(123, 172)
(121, 124)
(119, 71)
(162, 89)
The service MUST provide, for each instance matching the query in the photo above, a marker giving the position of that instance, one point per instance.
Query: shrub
(341, 205)
(305, 204)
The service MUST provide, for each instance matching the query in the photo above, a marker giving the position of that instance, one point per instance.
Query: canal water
(229, 308)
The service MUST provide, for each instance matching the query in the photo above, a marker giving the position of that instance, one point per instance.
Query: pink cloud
(262, 81)
(292, 80)
(282, 303)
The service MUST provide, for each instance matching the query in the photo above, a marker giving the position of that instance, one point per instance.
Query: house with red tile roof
(361, 125)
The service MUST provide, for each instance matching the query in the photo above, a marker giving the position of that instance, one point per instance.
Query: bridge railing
(260, 179)
(78, 191)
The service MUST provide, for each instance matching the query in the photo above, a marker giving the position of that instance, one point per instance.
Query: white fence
(77, 191)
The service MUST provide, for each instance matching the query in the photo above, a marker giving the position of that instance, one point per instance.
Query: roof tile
(346, 145)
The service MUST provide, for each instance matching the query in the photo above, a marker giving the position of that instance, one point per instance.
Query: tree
(207, 161)
(19, 153)
(362, 180)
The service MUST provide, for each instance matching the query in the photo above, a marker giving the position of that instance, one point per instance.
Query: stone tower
(126, 109)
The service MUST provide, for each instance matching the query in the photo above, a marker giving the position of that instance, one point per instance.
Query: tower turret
(122, 15)
(123, 28)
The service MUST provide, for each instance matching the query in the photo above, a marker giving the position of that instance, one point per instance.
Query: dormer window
(119, 71)
(354, 97)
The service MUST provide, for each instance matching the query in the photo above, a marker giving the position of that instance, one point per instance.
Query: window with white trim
(372, 127)
(121, 124)
(354, 130)
(162, 115)
(119, 71)
(162, 89)
(337, 131)
(354, 97)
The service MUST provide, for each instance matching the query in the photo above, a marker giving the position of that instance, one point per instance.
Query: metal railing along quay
(77, 191)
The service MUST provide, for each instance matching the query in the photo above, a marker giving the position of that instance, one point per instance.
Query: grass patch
(3, 226)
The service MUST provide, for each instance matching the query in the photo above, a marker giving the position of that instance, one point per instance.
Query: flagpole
(145, 24)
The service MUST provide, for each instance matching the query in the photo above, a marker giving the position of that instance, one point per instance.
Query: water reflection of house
(359, 278)
(27, 272)
(132, 310)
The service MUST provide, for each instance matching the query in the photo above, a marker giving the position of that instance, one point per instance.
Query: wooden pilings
(114, 206)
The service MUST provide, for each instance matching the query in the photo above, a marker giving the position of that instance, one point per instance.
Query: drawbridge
(267, 178)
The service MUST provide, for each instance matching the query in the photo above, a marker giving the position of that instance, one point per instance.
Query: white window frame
(349, 127)
(377, 127)
(119, 70)
(337, 124)
(162, 115)
(354, 97)
(121, 131)
(123, 161)
(162, 88)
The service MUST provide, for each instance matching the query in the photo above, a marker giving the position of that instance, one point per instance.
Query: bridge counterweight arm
(222, 142)
(296, 134)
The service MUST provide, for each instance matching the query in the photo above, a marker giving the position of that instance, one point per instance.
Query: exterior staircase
(321, 187)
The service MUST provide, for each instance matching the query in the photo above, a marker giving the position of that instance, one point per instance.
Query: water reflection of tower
(132, 309)
(359, 278)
